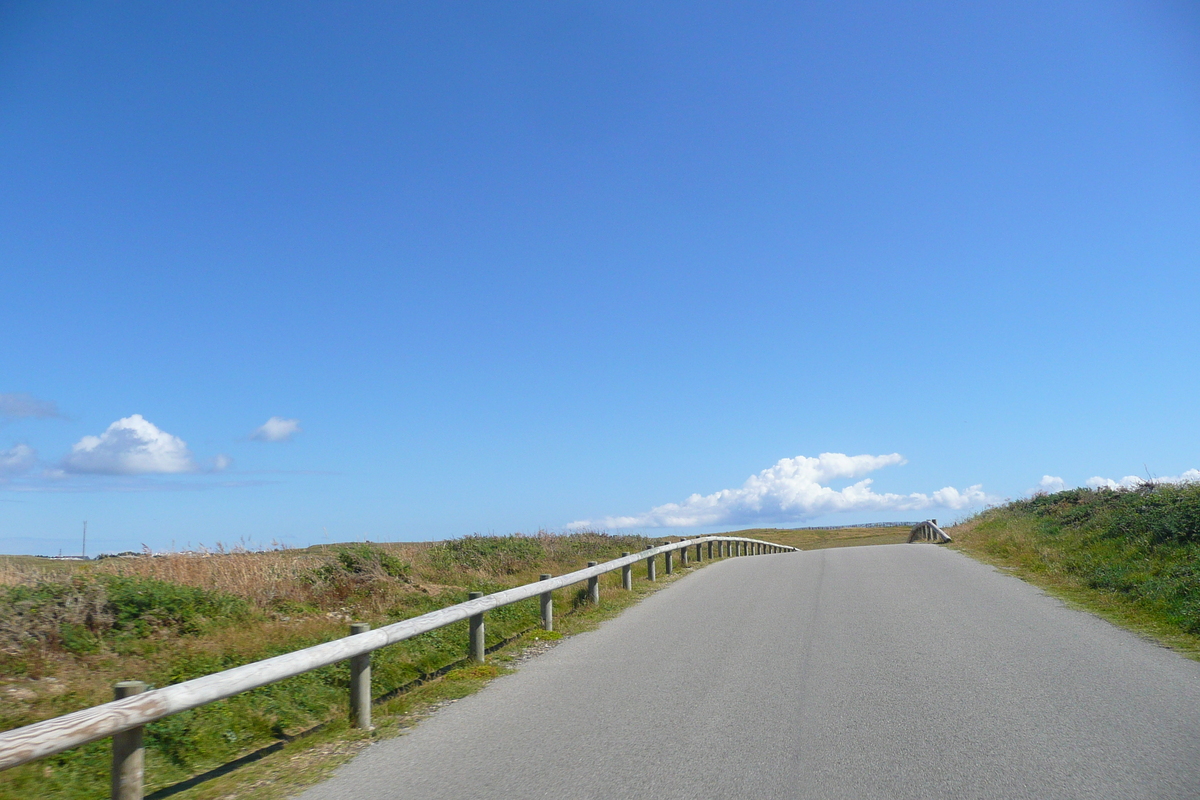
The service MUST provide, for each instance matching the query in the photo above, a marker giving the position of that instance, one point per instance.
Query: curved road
(897, 671)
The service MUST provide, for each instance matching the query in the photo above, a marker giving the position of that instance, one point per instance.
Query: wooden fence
(928, 531)
(124, 718)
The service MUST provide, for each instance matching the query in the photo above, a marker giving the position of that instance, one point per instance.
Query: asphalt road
(900, 671)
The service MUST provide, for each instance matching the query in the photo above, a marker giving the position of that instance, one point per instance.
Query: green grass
(85, 626)
(67, 635)
(1132, 556)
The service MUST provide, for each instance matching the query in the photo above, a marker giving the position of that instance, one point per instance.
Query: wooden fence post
(478, 648)
(670, 558)
(547, 599)
(650, 565)
(626, 574)
(683, 556)
(594, 586)
(128, 756)
(360, 683)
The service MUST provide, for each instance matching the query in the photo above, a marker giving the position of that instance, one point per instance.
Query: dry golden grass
(28, 570)
(327, 593)
(828, 537)
(266, 578)
(262, 578)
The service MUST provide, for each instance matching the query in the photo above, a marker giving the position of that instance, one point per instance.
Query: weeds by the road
(1130, 555)
(69, 630)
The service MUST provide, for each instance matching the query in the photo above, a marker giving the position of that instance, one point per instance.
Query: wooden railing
(928, 531)
(124, 718)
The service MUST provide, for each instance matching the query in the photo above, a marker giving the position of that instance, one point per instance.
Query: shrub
(497, 555)
(361, 563)
(77, 614)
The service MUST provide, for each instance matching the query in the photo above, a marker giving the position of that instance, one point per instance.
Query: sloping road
(902, 671)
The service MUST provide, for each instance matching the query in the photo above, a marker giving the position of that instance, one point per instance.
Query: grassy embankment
(1131, 556)
(69, 630)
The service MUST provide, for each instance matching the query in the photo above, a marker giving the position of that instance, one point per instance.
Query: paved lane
(901, 671)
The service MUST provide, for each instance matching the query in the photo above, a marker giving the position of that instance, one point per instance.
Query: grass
(807, 539)
(308, 760)
(1131, 556)
(69, 630)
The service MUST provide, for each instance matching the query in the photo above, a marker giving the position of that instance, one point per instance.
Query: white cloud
(221, 462)
(793, 490)
(1128, 482)
(130, 446)
(14, 405)
(17, 459)
(1133, 481)
(276, 429)
(1049, 484)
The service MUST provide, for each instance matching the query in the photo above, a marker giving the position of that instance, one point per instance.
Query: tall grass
(67, 633)
(1134, 551)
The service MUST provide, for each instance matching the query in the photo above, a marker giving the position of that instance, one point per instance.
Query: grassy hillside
(1132, 556)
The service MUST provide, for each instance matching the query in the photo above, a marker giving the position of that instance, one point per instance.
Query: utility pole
(84, 553)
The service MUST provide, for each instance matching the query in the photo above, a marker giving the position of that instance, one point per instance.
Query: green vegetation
(1131, 555)
(68, 631)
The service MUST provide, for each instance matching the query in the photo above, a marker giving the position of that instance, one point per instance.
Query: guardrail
(124, 718)
(928, 531)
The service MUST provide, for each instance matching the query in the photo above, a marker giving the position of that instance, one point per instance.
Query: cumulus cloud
(15, 405)
(795, 489)
(130, 446)
(1133, 481)
(276, 429)
(17, 460)
(1049, 484)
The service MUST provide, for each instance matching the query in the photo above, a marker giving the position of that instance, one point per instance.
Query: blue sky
(499, 267)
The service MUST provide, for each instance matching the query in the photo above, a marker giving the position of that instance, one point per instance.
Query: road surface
(890, 672)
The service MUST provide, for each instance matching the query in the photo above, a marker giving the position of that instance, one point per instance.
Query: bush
(77, 614)
(497, 555)
(142, 605)
(52, 613)
(359, 564)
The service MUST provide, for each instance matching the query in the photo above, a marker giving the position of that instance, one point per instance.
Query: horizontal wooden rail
(928, 531)
(51, 736)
